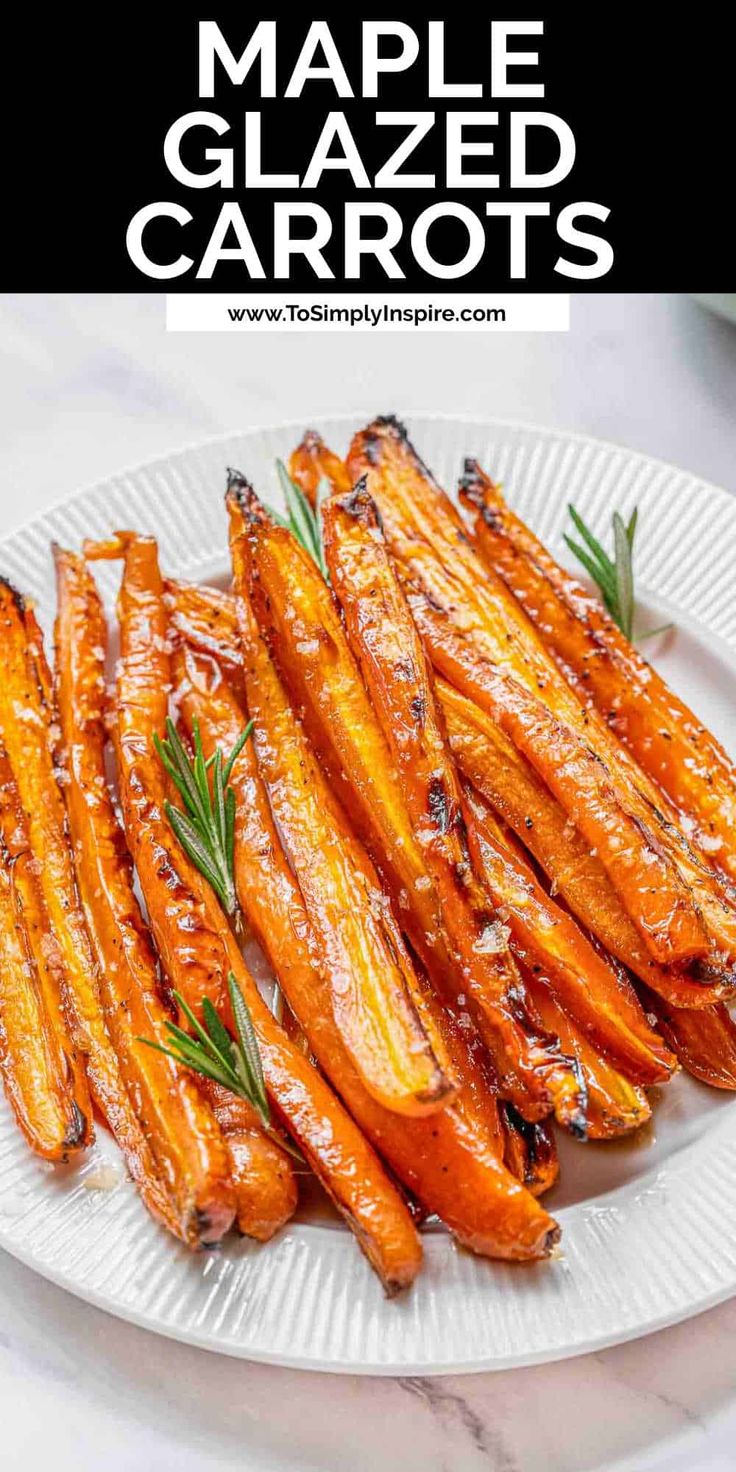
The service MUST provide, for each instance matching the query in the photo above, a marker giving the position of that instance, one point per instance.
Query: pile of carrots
(488, 855)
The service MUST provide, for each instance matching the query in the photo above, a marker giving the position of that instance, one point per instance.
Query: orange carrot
(451, 1161)
(188, 1149)
(198, 948)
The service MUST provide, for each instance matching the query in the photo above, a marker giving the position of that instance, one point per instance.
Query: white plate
(649, 1227)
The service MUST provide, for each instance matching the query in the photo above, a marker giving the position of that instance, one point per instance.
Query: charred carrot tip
(360, 505)
(237, 482)
(17, 597)
(241, 496)
(312, 441)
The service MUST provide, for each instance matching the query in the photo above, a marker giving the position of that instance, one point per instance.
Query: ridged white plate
(649, 1227)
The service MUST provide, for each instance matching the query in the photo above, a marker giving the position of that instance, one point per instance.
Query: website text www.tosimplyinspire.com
(504, 312)
(366, 316)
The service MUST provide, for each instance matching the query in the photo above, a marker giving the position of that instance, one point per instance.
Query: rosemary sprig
(614, 577)
(302, 519)
(205, 827)
(233, 1062)
(206, 831)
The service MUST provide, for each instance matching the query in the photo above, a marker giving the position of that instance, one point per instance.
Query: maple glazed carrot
(25, 729)
(198, 948)
(662, 733)
(490, 762)
(188, 1148)
(488, 759)
(302, 627)
(470, 642)
(395, 1049)
(312, 463)
(384, 639)
(451, 1160)
(34, 1061)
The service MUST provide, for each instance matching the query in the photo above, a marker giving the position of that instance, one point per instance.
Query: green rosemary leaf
(235, 753)
(624, 575)
(185, 1049)
(301, 516)
(205, 826)
(230, 828)
(179, 1037)
(652, 633)
(191, 1018)
(218, 802)
(615, 579)
(607, 585)
(197, 1062)
(324, 491)
(208, 1051)
(599, 553)
(159, 1047)
(203, 1047)
(188, 794)
(303, 521)
(221, 1039)
(179, 768)
(631, 528)
(277, 516)
(196, 848)
(193, 1056)
(165, 759)
(199, 771)
(249, 1054)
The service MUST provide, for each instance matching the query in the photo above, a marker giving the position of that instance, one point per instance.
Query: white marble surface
(88, 384)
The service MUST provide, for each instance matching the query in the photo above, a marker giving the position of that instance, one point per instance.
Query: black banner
(545, 150)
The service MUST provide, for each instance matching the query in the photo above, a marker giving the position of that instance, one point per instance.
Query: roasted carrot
(262, 1176)
(25, 729)
(35, 1068)
(677, 831)
(198, 948)
(187, 1145)
(400, 1059)
(425, 531)
(34, 1072)
(605, 1001)
(206, 618)
(651, 891)
(306, 638)
(704, 1041)
(583, 787)
(531, 1072)
(615, 1106)
(201, 694)
(449, 1161)
(28, 895)
(604, 667)
(312, 462)
(489, 761)
(530, 1151)
(25, 722)
(595, 993)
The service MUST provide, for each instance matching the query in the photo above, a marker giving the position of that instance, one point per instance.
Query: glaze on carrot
(198, 948)
(451, 1161)
(188, 1148)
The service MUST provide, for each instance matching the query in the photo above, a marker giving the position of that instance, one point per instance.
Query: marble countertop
(88, 384)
